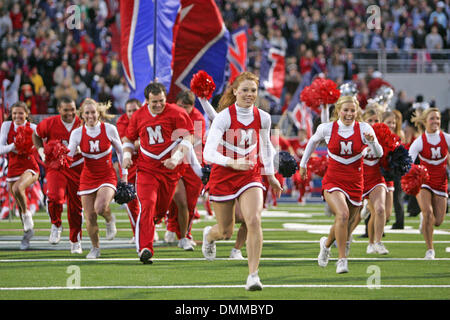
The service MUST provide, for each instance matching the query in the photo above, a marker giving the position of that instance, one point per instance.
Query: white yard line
(201, 259)
(223, 287)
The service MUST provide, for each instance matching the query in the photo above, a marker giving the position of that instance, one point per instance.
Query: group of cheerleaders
(239, 164)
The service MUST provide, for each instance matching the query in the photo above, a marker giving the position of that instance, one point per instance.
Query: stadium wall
(431, 86)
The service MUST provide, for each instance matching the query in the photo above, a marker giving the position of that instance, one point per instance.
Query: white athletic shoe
(430, 255)
(55, 234)
(208, 248)
(170, 237)
(324, 253)
(380, 248)
(342, 265)
(236, 254)
(25, 243)
(111, 229)
(185, 244)
(27, 220)
(253, 282)
(94, 253)
(370, 249)
(75, 247)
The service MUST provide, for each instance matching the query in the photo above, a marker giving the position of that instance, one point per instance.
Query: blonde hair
(420, 118)
(228, 97)
(102, 109)
(340, 102)
(370, 112)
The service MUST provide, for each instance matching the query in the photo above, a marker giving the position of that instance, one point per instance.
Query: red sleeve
(42, 129)
(132, 132)
(122, 124)
(182, 120)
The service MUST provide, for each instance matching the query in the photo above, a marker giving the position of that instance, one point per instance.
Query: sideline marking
(202, 259)
(221, 287)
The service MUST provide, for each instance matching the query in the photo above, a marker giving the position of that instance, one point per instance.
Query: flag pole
(155, 31)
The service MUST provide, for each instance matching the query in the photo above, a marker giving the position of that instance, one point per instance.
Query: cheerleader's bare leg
(378, 213)
(251, 205)
(90, 216)
(180, 200)
(102, 200)
(242, 232)
(18, 189)
(338, 205)
(224, 212)
(433, 211)
(389, 204)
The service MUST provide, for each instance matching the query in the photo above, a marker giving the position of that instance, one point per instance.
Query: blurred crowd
(42, 58)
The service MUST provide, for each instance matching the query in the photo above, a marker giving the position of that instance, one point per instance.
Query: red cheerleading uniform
(372, 174)
(18, 164)
(345, 169)
(226, 183)
(434, 158)
(155, 184)
(63, 183)
(98, 170)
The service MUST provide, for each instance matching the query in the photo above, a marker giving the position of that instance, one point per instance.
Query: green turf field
(288, 269)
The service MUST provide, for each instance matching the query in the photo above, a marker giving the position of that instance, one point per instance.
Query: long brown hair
(23, 105)
(228, 97)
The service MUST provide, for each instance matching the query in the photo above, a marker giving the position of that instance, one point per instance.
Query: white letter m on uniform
(346, 148)
(154, 136)
(435, 153)
(94, 146)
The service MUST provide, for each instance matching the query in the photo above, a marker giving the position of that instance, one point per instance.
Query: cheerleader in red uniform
(132, 207)
(241, 236)
(23, 169)
(342, 185)
(98, 179)
(375, 190)
(238, 146)
(63, 183)
(432, 149)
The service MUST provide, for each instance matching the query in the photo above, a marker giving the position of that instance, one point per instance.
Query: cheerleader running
(342, 185)
(432, 149)
(23, 169)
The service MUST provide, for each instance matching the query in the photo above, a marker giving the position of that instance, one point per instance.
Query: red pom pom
(386, 138)
(320, 92)
(318, 165)
(23, 140)
(202, 85)
(413, 180)
(56, 155)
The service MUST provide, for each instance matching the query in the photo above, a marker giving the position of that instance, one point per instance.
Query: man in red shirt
(165, 132)
(63, 182)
